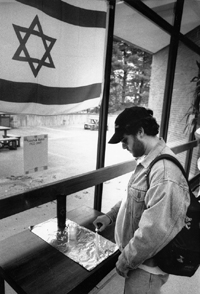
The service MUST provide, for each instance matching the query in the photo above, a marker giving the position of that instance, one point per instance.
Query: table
(4, 129)
(32, 266)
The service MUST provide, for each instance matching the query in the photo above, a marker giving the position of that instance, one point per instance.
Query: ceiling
(134, 28)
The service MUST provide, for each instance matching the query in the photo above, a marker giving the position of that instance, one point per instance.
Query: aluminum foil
(78, 243)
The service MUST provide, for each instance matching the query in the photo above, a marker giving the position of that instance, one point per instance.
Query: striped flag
(51, 55)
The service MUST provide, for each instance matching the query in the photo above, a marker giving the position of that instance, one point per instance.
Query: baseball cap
(129, 116)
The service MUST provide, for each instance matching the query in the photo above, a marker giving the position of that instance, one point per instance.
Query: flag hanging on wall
(51, 55)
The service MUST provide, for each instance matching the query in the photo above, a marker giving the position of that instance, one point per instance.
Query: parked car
(92, 124)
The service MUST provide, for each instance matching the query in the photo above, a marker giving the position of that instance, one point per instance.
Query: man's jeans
(142, 282)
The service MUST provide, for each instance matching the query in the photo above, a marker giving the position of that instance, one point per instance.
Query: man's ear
(140, 133)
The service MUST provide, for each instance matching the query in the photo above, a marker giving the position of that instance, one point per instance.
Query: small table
(4, 129)
(30, 265)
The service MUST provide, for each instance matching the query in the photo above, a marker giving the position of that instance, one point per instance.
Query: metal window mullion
(101, 146)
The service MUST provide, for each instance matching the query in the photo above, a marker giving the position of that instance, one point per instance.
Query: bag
(181, 256)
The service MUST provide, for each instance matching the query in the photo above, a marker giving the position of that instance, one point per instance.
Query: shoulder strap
(194, 199)
(168, 157)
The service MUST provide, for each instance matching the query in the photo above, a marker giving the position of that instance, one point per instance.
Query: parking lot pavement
(72, 149)
(63, 151)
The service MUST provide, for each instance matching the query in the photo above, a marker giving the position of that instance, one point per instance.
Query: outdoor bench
(11, 143)
(14, 136)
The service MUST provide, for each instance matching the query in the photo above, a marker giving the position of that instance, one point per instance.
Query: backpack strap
(177, 162)
(168, 157)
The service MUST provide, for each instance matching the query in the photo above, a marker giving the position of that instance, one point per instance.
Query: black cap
(129, 116)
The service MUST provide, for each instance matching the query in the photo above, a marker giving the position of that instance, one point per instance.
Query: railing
(61, 189)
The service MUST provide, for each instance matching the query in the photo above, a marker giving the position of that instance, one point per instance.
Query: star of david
(22, 53)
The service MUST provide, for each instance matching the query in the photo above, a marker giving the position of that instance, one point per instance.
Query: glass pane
(164, 8)
(57, 70)
(157, 85)
(135, 30)
(71, 150)
(182, 113)
(132, 27)
(191, 16)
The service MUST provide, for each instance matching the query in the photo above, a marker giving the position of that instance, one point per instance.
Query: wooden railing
(61, 189)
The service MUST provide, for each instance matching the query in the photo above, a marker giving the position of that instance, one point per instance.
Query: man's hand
(102, 221)
(121, 267)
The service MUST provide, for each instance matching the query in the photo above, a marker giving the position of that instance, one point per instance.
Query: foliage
(130, 76)
(193, 114)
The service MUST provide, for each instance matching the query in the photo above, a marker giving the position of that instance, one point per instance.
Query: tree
(130, 76)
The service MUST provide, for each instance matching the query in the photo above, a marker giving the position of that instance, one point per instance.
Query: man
(149, 216)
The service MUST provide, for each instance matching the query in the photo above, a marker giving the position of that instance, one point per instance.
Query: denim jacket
(155, 214)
